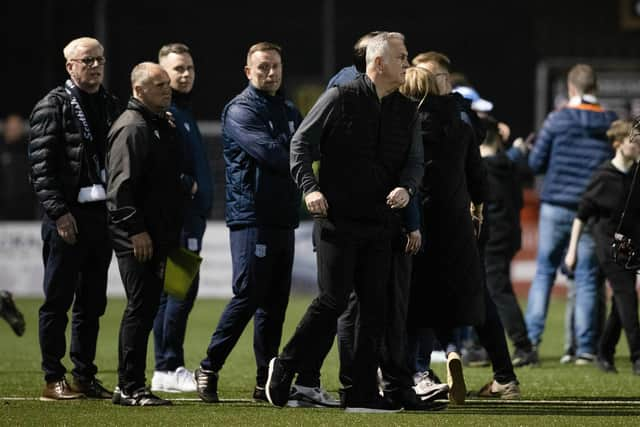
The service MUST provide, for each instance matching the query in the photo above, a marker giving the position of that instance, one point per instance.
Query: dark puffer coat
(56, 149)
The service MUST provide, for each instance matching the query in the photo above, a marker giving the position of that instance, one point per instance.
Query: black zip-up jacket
(503, 205)
(56, 149)
(144, 190)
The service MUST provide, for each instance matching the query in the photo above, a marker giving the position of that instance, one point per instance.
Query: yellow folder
(182, 267)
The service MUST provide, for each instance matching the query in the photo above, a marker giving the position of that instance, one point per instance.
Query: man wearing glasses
(66, 153)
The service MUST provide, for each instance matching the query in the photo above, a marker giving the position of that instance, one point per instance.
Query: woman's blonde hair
(618, 131)
(418, 83)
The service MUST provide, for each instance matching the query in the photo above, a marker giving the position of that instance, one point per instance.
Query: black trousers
(394, 362)
(624, 313)
(348, 260)
(491, 336)
(143, 284)
(347, 328)
(74, 274)
(498, 276)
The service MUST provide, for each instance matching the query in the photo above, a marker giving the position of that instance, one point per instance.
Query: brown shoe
(59, 390)
(92, 389)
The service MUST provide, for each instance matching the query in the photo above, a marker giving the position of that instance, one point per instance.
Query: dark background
(497, 44)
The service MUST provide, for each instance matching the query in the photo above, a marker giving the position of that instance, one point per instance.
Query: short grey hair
(378, 46)
(69, 50)
(141, 72)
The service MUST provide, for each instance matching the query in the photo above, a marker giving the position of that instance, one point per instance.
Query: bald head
(151, 86)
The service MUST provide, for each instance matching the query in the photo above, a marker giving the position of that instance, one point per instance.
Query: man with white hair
(145, 198)
(371, 164)
(66, 152)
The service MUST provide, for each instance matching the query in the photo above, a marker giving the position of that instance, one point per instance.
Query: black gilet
(364, 152)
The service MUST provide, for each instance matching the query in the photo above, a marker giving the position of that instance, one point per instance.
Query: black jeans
(498, 276)
(357, 260)
(74, 274)
(624, 313)
(143, 284)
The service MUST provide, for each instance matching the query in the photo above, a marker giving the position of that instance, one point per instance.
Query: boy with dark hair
(503, 240)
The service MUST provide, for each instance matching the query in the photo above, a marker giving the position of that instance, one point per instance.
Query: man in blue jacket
(262, 204)
(171, 321)
(571, 145)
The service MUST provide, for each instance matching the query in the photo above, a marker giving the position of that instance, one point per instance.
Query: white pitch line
(470, 401)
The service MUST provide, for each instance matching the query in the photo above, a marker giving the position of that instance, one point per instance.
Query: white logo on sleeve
(261, 250)
(187, 127)
(192, 244)
(156, 133)
(292, 126)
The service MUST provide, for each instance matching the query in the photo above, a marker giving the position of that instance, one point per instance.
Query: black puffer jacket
(56, 149)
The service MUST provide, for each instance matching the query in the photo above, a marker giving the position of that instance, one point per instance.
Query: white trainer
(157, 381)
(179, 381)
(428, 389)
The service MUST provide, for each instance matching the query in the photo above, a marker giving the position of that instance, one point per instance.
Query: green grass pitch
(553, 394)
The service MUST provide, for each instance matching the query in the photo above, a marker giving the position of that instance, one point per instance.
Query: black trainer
(93, 389)
(410, 401)
(207, 383)
(10, 313)
(376, 405)
(606, 364)
(140, 397)
(523, 357)
(260, 394)
(279, 381)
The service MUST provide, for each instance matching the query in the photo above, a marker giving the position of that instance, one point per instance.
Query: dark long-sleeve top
(321, 118)
(603, 202)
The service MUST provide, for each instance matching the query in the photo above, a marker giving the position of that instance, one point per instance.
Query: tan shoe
(455, 379)
(510, 390)
(59, 390)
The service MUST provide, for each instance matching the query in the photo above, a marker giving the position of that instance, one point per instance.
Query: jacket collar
(584, 99)
(138, 106)
(181, 100)
(278, 97)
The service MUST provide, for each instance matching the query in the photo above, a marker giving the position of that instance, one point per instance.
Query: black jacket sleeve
(46, 148)
(128, 151)
(413, 171)
(477, 181)
(306, 141)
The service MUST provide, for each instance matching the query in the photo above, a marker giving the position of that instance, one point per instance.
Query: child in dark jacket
(602, 205)
(502, 238)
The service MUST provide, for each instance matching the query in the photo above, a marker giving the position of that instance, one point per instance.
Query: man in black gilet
(369, 169)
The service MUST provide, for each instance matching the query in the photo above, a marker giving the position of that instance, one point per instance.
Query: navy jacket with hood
(571, 145)
(256, 131)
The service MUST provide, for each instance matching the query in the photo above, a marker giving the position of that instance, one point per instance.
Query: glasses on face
(89, 61)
